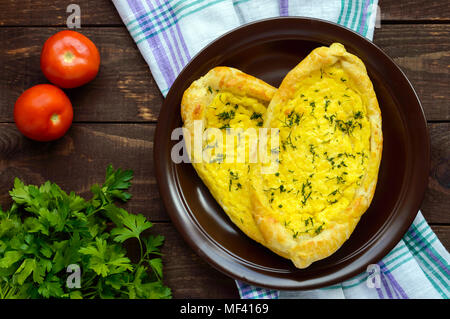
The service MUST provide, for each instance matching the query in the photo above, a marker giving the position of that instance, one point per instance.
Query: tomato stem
(68, 57)
(55, 119)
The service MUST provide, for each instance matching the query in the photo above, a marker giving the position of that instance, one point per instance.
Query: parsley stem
(92, 293)
(88, 282)
(141, 249)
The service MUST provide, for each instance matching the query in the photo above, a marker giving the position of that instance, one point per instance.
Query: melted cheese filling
(324, 147)
(224, 172)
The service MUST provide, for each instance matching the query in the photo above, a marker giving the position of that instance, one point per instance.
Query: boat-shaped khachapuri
(327, 157)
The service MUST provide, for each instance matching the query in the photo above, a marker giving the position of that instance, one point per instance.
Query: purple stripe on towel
(428, 251)
(182, 62)
(396, 286)
(380, 293)
(180, 35)
(364, 17)
(156, 47)
(164, 34)
(386, 286)
(284, 8)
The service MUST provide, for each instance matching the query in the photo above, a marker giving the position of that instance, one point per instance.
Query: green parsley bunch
(46, 230)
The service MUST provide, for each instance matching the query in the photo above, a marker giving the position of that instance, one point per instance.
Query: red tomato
(43, 113)
(69, 59)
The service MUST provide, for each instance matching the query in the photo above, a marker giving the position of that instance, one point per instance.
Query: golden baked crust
(329, 125)
(314, 243)
(221, 78)
(226, 97)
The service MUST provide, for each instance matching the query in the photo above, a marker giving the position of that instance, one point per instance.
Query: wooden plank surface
(416, 10)
(187, 274)
(130, 146)
(102, 12)
(443, 233)
(87, 148)
(129, 93)
(436, 203)
(51, 13)
(423, 53)
(115, 116)
(123, 144)
(121, 94)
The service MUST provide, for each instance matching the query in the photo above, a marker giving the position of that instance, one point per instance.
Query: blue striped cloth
(418, 267)
(170, 33)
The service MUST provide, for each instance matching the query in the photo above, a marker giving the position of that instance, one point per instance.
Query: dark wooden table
(116, 115)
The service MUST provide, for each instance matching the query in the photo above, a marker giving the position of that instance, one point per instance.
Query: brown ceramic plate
(268, 50)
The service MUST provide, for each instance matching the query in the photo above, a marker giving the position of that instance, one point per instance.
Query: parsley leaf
(134, 225)
(46, 230)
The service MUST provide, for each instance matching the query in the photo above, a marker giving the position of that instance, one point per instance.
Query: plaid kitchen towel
(169, 33)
